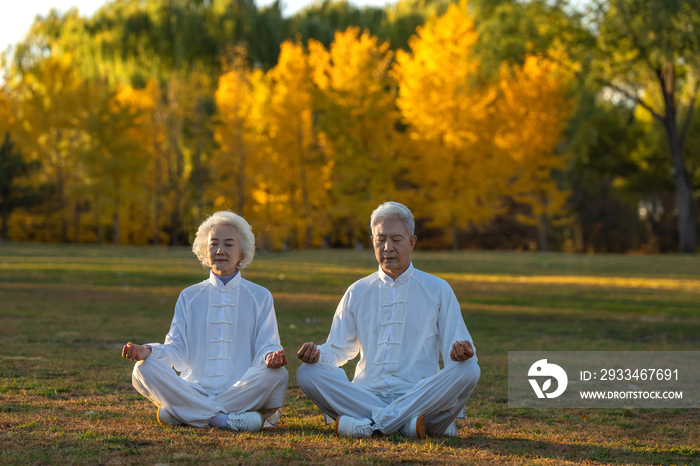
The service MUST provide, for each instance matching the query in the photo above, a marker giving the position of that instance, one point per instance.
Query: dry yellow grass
(66, 395)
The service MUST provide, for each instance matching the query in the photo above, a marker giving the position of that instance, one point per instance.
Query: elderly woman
(223, 341)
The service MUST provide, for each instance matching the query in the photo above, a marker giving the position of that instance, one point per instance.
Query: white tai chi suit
(218, 341)
(399, 327)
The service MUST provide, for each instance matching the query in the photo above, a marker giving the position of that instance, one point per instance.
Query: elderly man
(399, 319)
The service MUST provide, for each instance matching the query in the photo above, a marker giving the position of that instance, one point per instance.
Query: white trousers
(260, 389)
(440, 398)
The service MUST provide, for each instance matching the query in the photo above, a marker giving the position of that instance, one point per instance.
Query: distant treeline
(502, 124)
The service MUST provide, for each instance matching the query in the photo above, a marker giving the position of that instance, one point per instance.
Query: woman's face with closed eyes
(224, 249)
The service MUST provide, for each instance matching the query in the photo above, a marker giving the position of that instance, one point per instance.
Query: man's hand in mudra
(461, 351)
(136, 353)
(276, 360)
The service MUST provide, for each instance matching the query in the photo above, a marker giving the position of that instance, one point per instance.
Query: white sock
(219, 421)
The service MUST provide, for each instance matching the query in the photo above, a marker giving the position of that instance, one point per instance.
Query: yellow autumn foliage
(460, 170)
(295, 202)
(357, 126)
(7, 119)
(536, 107)
(52, 108)
(241, 98)
(305, 151)
(478, 143)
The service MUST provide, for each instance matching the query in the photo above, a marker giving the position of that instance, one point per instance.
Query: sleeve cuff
(327, 358)
(155, 350)
(261, 361)
(271, 349)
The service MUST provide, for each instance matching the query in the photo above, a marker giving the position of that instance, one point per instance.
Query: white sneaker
(452, 430)
(166, 419)
(346, 426)
(251, 421)
(415, 428)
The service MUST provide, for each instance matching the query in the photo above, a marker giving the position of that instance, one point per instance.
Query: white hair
(393, 210)
(224, 217)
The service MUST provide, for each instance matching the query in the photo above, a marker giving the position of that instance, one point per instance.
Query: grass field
(66, 393)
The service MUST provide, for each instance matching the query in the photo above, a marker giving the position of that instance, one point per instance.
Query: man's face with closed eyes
(392, 246)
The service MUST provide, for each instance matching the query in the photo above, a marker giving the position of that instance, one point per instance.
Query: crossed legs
(260, 389)
(439, 398)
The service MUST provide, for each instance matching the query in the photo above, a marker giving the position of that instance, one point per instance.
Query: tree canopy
(518, 124)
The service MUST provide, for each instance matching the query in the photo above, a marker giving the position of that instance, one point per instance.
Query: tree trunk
(156, 202)
(156, 186)
(61, 197)
(5, 218)
(684, 193)
(684, 196)
(456, 162)
(241, 169)
(197, 160)
(543, 233)
(99, 231)
(76, 223)
(455, 237)
(175, 218)
(543, 224)
(302, 183)
(115, 238)
(174, 129)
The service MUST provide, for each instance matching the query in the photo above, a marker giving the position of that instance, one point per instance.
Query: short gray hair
(390, 210)
(224, 217)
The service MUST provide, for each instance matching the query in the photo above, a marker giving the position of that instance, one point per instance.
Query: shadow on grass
(543, 449)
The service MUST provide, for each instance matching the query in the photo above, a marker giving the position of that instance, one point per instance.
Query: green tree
(128, 41)
(647, 51)
(606, 177)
